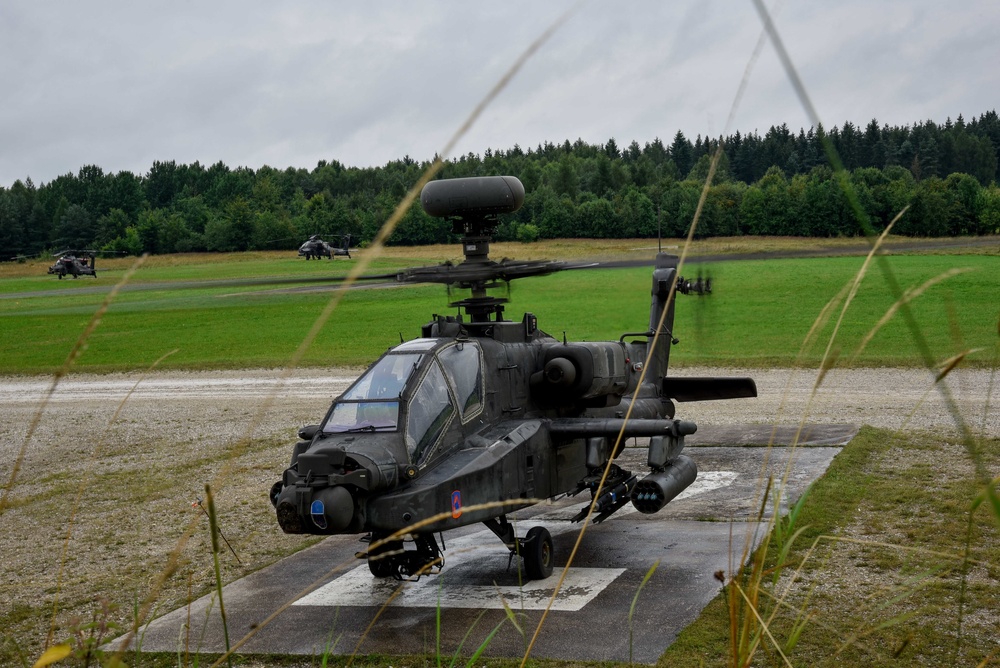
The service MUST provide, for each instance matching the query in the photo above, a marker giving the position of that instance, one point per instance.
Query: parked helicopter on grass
(315, 247)
(481, 416)
(75, 263)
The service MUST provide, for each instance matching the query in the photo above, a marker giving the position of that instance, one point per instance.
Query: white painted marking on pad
(359, 588)
(480, 555)
(707, 481)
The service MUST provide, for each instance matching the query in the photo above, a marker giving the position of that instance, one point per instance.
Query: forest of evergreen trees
(776, 184)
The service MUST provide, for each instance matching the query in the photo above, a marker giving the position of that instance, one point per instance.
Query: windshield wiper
(367, 427)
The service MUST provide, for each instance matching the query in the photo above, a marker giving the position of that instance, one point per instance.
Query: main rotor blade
(467, 273)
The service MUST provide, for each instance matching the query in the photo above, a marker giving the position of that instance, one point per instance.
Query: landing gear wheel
(536, 549)
(382, 562)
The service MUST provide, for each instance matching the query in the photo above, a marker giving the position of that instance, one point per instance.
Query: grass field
(760, 313)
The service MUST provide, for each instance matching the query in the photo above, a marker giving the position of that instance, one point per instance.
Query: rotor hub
(472, 205)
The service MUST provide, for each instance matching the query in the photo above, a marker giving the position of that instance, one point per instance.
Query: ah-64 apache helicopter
(482, 416)
(314, 247)
(75, 263)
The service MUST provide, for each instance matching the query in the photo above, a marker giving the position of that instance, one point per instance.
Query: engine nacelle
(592, 374)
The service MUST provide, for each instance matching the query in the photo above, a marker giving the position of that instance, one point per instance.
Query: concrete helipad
(327, 600)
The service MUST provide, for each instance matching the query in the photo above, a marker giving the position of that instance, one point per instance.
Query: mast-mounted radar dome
(472, 197)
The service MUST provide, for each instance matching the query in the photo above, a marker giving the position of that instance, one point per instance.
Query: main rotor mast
(473, 206)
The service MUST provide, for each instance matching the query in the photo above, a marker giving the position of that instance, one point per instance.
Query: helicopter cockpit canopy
(372, 403)
(433, 381)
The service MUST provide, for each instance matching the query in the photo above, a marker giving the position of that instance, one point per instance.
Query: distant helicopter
(481, 416)
(75, 263)
(315, 247)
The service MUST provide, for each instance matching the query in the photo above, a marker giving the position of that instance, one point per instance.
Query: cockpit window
(430, 412)
(372, 403)
(463, 365)
(385, 380)
(360, 416)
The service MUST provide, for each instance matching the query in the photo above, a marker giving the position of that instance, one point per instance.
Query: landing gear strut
(535, 549)
(391, 559)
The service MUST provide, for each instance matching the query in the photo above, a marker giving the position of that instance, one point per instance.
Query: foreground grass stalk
(752, 606)
(901, 303)
(919, 340)
(961, 561)
(489, 638)
(784, 531)
(214, 527)
(713, 166)
(748, 627)
(656, 340)
(902, 298)
(635, 600)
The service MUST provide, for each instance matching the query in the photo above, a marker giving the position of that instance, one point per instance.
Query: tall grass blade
(486, 641)
(52, 655)
(319, 581)
(437, 622)
(949, 364)
(888, 624)
(214, 526)
(713, 166)
(511, 616)
(461, 644)
(635, 600)
(751, 605)
(901, 303)
(858, 278)
(902, 299)
(482, 647)
(919, 340)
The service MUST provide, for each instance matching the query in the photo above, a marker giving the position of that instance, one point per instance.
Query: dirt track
(224, 404)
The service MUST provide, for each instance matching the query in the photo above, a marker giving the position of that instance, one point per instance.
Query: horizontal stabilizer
(708, 389)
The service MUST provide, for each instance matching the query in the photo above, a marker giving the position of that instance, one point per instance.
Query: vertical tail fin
(664, 277)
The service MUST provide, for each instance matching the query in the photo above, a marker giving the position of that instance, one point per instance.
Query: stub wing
(708, 388)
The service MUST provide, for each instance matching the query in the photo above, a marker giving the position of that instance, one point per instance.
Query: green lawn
(929, 552)
(759, 314)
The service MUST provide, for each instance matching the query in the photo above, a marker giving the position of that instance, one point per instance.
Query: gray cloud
(120, 84)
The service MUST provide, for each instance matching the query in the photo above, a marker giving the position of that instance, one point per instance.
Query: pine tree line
(776, 184)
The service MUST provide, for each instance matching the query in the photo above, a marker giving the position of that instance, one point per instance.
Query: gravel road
(225, 404)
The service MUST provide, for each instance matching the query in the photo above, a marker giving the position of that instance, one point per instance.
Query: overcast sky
(122, 84)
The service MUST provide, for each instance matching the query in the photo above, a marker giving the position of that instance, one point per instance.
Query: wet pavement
(323, 599)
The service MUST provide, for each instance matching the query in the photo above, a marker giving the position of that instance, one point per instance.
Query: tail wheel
(536, 549)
